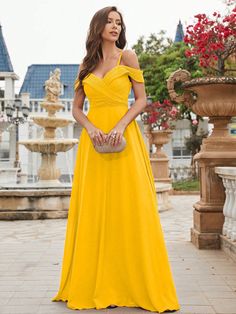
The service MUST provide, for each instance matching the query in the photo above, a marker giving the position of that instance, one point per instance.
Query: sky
(54, 31)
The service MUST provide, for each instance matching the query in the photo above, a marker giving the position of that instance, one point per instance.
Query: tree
(159, 57)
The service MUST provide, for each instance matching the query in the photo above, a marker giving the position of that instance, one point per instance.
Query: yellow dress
(114, 251)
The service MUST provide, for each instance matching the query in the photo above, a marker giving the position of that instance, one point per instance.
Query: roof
(5, 61)
(179, 36)
(37, 74)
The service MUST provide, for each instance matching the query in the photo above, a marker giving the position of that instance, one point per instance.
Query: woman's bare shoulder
(129, 58)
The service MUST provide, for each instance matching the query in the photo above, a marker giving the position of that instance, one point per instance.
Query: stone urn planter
(213, 97)
(159, 160)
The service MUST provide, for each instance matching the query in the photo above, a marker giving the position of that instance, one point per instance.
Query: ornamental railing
(228, 175)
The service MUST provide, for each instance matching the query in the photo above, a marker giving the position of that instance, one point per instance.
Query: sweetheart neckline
(116, 66)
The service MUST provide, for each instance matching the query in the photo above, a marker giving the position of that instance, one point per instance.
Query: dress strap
(118, 62)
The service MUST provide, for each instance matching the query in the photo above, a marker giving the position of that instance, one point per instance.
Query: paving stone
(221, 288)
(221, 305)
(19, 309)
(192, 298)
(197, 309)
(220, 294)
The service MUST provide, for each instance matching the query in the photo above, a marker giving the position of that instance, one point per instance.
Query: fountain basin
(49, 146)
(52, 122)
(29, 201)
(51, 107)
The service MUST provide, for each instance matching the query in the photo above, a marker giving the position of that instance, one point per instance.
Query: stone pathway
(30, 262)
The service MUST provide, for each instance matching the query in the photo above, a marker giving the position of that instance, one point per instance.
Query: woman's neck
(109, 50)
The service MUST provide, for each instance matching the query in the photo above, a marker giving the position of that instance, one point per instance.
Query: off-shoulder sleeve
(76, 84)
(136, 74)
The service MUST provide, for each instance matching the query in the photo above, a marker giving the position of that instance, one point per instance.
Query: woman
(114, 252)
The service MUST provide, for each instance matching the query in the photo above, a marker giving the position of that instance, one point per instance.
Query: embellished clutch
(108, 148)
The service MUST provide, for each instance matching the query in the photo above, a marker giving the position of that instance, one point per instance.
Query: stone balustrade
(8, 175)
(36, 108)
(180, 172)
(34, 104)
(228, 175)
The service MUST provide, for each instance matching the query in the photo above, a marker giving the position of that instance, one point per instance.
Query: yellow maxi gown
(114, 251)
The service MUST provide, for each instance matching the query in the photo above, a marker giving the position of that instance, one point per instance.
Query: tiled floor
(30, 261)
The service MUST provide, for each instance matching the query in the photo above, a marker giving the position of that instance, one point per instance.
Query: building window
(178, 143)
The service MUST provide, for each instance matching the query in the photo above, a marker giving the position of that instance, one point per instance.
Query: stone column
(9, 88)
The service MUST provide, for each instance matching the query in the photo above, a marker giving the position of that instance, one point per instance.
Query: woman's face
(112, 28)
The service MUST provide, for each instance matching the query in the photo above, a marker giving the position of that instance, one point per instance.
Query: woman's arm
(130, 59)
(97, 136)
(77, 109)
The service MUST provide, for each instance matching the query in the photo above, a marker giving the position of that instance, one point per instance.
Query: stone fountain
(49, 146)
(48, 197)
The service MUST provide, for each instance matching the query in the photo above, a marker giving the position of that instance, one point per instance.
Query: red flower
(164, 125)
(211, 39)
(158, 114)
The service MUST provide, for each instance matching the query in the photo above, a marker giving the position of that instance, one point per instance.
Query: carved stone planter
(159, 160)
(214, 98)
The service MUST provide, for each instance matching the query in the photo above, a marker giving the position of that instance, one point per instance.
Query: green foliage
(193, 143)
(159, 59)
(153, 46)
(187, 185)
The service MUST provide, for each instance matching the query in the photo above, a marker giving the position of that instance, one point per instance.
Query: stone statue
(53, 86)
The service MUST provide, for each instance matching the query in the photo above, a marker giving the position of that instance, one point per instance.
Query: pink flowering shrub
(160, 115)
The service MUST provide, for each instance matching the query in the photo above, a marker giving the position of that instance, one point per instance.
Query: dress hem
(118, 304)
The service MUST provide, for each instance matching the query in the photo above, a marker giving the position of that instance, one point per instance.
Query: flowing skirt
(114, 250)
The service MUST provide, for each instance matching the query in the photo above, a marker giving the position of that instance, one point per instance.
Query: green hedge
(187, 185)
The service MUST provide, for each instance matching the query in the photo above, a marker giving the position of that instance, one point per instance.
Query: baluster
(175, 173)
(225, 208)
(189, 172)
(233, 213)
(178, 173)
(181, 173)
(229, 207)
(36, 105)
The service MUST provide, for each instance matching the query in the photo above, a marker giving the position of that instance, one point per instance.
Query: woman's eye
(119, 24)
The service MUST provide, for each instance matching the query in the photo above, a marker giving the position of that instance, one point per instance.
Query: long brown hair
(94, 40)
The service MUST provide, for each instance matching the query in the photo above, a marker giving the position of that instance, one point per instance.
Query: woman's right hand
(96, 135)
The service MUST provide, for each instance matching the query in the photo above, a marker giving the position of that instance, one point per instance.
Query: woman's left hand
(114, 137)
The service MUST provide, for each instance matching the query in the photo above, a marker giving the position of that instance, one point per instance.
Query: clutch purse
(108, 148)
